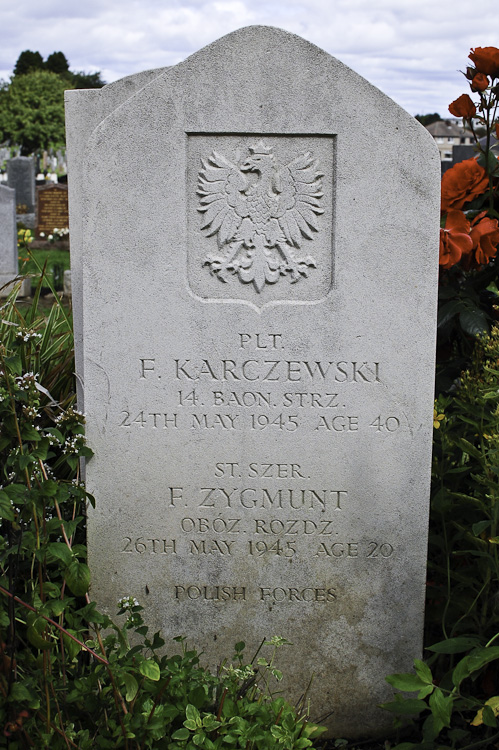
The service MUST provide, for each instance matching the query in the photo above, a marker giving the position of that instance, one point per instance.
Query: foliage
(457, 689)
(32, 103)
(27, 62)
(428, 119)
(469, 235)
(32, 111)
(69, 676)
(57, 62)
(54, 260)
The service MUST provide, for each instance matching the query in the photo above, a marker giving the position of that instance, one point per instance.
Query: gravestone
(258, 380)
(52, 208)
(21, 177)
(8, 243)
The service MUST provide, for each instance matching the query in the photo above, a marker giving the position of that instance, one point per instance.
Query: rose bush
(469, 235)
(463, 182)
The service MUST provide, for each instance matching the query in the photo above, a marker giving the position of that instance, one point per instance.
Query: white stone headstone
(9, 264)
(258, 377)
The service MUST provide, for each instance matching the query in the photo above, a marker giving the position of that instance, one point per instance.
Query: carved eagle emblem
(261, 213)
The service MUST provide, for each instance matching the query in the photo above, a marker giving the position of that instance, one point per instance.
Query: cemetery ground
(56, 260)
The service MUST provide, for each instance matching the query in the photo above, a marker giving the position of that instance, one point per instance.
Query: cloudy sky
(411, 49)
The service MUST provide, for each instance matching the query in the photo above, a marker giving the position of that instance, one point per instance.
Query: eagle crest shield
(261, 213)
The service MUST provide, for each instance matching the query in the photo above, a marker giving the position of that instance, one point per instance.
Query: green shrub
(457, 691)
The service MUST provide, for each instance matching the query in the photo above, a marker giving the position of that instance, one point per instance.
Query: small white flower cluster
(127, 602)
(244, 673)
(57, 234)
(73, 444)
(25, 381)
(25, 334)
(70, 414)
(30, 412)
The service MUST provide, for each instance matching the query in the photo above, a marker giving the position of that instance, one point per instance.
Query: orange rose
(455, 240)
(463, 107)
(479, 82)
(485, 237)
(463, 182)
(486, 60)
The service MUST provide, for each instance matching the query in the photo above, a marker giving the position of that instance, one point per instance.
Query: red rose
(479, 82)
(455, 240)
(463, 182)
(485, 237)
(463, 107)
(497, 130)
(486, 60)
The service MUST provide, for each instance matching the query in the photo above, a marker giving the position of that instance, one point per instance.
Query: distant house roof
(444, 128)
(494, 144)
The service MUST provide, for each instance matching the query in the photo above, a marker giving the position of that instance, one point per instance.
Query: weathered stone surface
(258, 375)
(21, 177)
(8, 242)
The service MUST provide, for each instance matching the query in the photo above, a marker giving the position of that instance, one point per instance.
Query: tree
(27, 62)
(57, 63)
(32, 111)
(81, 80)
(428, 119)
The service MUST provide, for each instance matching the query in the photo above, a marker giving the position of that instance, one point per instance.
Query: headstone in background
(52, 208)
(9, 263)
(67, 283)
(258, 381)
(21, 177)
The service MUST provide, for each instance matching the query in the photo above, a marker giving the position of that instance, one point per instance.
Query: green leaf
(197, 696)
(25, 460)
(488, 717)
(36, 639)
(441, 706)
(181, 734)
(431, 728)
(479, 657)
(6, 510)
(61, 551)
(455, 645)
(447, 311)
(14, 364)
(406, 707)
(191, 712)
(150, 669)
(469, 448)
(407, 682)
(77, 576)
(477, 528)
(474, 322)
(131, 686)
(423, 671)
(28, 432)
(72, 648)
(19, 692)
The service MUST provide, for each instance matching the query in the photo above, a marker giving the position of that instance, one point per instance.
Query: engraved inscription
(261, 213)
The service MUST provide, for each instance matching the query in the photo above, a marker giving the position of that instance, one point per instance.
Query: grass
(57, 261)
